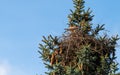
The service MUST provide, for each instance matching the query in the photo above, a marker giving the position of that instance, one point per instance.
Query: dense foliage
(81, 50)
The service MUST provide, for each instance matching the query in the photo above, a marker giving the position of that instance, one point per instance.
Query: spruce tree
(81, 50)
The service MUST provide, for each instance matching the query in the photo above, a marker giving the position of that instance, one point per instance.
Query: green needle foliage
(81, 50)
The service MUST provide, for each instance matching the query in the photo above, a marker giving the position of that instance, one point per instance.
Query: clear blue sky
(24, 22)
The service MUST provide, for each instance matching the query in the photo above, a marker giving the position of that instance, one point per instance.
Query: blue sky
(24, 22)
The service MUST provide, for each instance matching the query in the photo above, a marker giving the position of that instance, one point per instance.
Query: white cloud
(4, 68)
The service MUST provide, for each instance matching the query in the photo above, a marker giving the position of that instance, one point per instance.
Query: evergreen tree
(81, 50)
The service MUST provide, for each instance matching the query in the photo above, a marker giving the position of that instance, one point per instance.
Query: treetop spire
(80, 17)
